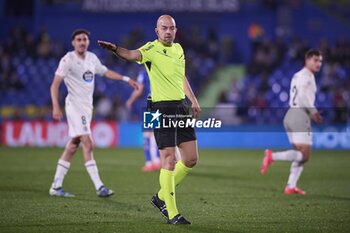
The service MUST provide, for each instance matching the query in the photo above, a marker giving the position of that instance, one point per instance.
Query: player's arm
(316, 117)
(130, 55)
(190, 95)
(306, 100)
(115, 76)
(134, 96)
(54, 89)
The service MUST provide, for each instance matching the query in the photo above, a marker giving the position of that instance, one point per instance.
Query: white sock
(61, 170)
(295, 171)
(288, 155)
(154, 150)
(91, 168)
(148, 163)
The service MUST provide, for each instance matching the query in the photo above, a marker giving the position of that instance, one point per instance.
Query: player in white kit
(77, 69)
(297, 122)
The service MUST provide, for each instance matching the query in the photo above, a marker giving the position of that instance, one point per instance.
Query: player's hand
(316, 117)
(107, 45)
(57, 114)
(196, 109)
(128, 104)
(134, 84)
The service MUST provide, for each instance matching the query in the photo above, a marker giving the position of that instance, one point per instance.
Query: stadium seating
(25, 91)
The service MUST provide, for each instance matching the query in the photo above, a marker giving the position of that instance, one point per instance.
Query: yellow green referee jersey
(166, 69)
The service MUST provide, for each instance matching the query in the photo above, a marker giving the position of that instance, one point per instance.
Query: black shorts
(171, 135)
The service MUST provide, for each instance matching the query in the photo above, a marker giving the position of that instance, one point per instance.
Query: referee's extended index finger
(102, 43)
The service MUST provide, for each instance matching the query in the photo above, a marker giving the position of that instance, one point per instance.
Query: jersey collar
(307, 71)
(165, 46)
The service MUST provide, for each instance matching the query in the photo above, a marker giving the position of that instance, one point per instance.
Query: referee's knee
(191, 162)
(169, 164)
(168, 160)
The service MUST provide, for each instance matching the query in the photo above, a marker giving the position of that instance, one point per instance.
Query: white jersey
(302, 103)
(302, 92)
(79, 77)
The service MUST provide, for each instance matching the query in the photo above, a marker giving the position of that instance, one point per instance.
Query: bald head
(165, 19)
(166, 29)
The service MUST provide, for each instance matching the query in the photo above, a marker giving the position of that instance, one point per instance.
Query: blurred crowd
(28, 62)
(262, 95)
(22, 44)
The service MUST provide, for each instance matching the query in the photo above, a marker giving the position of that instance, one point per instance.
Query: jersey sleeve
(182, 56)
(100, 69)
(63, 67)
(307, 96)
(147, 52)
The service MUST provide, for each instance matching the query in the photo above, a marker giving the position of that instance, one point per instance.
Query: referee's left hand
(134, 84)
(107, 45)
(196, 109)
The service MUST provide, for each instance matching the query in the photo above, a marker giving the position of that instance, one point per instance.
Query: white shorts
(78, 118)
(298, 126)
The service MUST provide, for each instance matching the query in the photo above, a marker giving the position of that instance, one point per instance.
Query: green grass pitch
(224, 193)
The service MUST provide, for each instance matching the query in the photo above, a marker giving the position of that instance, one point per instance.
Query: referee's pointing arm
(166, 35)
(130, 55)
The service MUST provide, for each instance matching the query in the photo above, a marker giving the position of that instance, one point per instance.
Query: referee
(165, 64)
